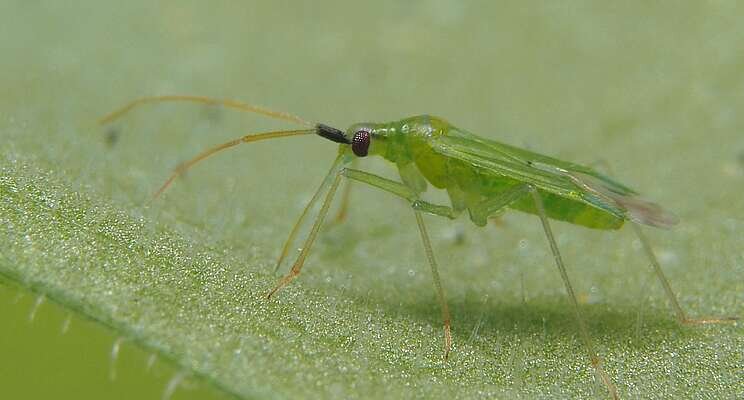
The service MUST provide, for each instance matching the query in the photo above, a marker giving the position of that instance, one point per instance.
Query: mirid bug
(480, 176)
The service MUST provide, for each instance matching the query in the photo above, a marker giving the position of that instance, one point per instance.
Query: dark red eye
(360, 143)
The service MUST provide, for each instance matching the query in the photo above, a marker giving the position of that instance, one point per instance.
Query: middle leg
(418, 206)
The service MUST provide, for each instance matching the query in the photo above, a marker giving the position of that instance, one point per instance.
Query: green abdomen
(575, 212)
(480, 184)
(485, 185)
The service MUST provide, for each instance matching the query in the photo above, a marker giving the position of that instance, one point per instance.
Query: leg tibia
(679, 312)
(593, 357)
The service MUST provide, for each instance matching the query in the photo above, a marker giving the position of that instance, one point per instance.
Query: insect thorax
(400, 141)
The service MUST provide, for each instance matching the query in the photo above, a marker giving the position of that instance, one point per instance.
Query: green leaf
(186, 277)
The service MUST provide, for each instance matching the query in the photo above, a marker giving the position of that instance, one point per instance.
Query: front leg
(329, 185)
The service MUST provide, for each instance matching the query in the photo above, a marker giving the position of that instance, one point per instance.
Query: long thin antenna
(183, 167)
(204, 100)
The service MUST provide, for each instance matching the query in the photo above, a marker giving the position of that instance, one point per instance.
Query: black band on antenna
(331, 134)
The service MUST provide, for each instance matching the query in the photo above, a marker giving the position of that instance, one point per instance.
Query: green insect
(480, 176)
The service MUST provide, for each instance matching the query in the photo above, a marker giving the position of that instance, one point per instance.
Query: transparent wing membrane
(569, 180)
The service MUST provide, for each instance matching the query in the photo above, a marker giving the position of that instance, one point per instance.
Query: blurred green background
(654, 90)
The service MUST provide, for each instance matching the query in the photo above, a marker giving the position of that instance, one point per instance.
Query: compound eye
(360, 143)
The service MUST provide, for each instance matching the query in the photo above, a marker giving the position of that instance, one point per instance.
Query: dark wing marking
(569, 180)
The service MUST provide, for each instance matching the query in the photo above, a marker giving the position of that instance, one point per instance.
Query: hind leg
(680, 313)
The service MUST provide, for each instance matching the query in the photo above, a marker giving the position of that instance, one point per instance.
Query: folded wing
(569, 180)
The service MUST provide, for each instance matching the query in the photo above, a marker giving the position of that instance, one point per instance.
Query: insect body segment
(481, 176)
(474, 170)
